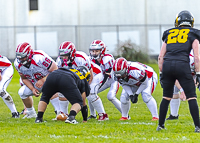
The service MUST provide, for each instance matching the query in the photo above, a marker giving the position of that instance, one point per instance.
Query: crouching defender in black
(73, 85)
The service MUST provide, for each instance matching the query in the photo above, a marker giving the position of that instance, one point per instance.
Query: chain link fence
(48, 38)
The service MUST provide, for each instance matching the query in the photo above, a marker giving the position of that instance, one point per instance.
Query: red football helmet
(24, 53)
(67, 48)
(97, 45)
(120, 67)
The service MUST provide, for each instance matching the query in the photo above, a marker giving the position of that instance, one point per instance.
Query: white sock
(64, 106)
(125, 108)
(9, 102)
(174, 106)
(152, 105)
(92, 110)
(98, 106)
(117, 104)
(55, 103)
(31, 110)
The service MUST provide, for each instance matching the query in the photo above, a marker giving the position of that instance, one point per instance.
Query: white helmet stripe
(19, 47)
(116, 64)
(62, 45)
(122, 65)
(25, 48)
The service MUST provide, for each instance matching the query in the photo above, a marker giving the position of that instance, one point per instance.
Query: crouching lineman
(75, 91)
(105, 61)
(135, 78)
(33, 68)
(70, 58)
(6, 74)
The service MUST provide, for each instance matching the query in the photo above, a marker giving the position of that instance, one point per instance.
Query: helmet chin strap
(65, 62)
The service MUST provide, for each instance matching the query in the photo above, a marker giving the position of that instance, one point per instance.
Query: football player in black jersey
(174, 55)
(73, 84)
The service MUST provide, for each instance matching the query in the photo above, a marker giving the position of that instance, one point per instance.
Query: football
(61, 117)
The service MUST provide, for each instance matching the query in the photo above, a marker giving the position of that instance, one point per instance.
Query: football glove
(134, 98)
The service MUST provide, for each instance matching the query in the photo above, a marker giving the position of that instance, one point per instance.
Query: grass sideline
(139, 129)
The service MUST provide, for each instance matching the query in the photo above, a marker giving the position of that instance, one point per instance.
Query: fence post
(160, 35)
(76, 37)
(117, 28)
(35, 37)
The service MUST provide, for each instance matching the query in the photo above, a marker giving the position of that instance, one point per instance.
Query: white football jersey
(81, 59)
(39, 67)
(4, 63)
(96, 68)
(106, 62)
(136, 73)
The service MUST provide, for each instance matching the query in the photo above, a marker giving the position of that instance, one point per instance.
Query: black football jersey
(80, 80)
(179, 42)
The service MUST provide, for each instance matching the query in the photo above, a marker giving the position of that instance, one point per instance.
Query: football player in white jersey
(179, 92)
(6, 74)
(33, 68)
(135, 78)
(71, 58)
(105, 61)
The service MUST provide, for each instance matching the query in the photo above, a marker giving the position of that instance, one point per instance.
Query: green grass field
(139, 129)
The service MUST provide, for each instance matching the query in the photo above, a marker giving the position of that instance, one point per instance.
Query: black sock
(72, 113)
(163, 111)
(194, 111)
(40, 114)
(55, 112)
(84, 111)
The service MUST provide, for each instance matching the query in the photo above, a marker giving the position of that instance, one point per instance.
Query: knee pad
(92, 97)
(146, 97)
(9, 99)
(124, 100)
(111, 95)
(2, 93)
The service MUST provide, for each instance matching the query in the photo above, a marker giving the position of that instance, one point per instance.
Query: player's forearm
(196, 63)
(28, 84)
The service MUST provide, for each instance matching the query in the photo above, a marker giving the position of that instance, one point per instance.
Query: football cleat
(103, 117)
(171, 117)
(71, 120)
(38, 120)
(124, 118)
(159, 128)
(197, 129)
(92, 117)
(15, 115)
(30, 115)
(154, 119)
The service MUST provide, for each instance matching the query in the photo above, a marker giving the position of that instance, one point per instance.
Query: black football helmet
(85, 72)
(184, 18)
